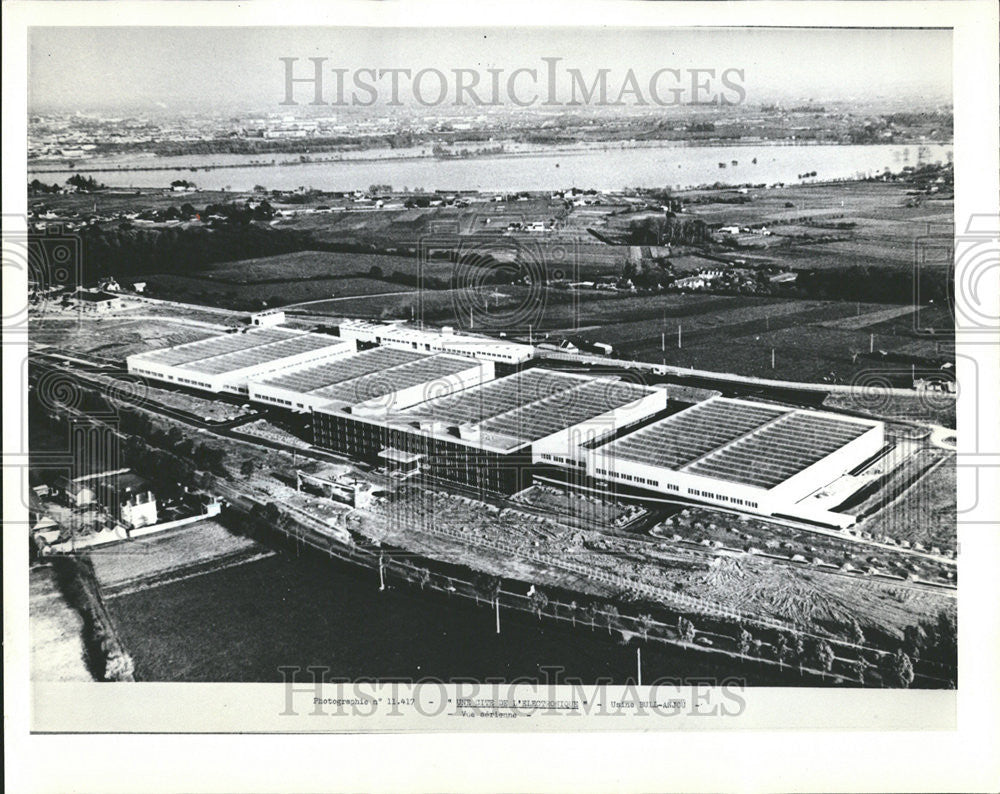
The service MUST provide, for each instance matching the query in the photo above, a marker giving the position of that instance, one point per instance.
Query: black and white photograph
(500, 377)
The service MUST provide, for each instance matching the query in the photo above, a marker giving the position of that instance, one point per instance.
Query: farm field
(254, 296)
(718, 332)
(304, 265)
(737, 333)
(923, 406)
(881, 230)
(174, 549)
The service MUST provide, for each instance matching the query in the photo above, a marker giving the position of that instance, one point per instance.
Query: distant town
(81, 137)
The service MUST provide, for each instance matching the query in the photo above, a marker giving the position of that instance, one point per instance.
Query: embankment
(105, 654)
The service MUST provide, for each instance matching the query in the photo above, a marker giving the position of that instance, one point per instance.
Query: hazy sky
(239, 68)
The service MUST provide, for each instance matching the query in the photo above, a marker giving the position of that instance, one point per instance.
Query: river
(606, 168)
(245, 622)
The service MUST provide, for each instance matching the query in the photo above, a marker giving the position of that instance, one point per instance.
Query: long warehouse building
(749, 456)
(227, 362)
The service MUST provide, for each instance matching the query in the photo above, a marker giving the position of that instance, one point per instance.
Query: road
(291, 307)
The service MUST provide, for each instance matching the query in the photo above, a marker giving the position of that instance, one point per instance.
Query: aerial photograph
(501, 353)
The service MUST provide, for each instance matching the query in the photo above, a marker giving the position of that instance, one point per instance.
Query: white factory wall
(565, 447)
(678, 483)
(172, 374)
(286, 398)
(780, 499)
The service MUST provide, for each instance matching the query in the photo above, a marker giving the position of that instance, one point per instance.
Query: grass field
(883, 231)
(172, 550)
(718, 332)
(253, 296)
(926, 513)
(923, 406)
(321, 265)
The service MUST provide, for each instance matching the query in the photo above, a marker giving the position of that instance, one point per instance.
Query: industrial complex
(226, 363)
(431, 402)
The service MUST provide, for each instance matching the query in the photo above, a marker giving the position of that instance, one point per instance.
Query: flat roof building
(750, 456)
(225, 363)
(373, 381)
(401, 336)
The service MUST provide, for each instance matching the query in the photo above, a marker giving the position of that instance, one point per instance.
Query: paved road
(293, 306)
(943, 438)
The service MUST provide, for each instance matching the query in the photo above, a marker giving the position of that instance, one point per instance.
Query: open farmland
(865, 223)
(718, 332)
(254, 296)
(57, 648)
(319, 265)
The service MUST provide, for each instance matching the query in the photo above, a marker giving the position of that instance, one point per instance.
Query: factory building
(748, 456)
(371, 382)
(490, 436)
(415, 405)
(399, 336)
(225, 363)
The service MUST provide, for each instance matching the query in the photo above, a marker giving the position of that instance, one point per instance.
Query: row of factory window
(459, 351)
(161, 376)
(194, 383)
(633, 478)
(479, 353)
(564, 461)
(721, 497)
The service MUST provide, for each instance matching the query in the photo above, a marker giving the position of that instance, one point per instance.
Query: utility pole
(663, 342)
(772, 358)
(871, 343)
(679, 345)
(496, 600)
(638, 665)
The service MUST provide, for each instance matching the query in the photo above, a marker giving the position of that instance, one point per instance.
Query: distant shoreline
(569, 150)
